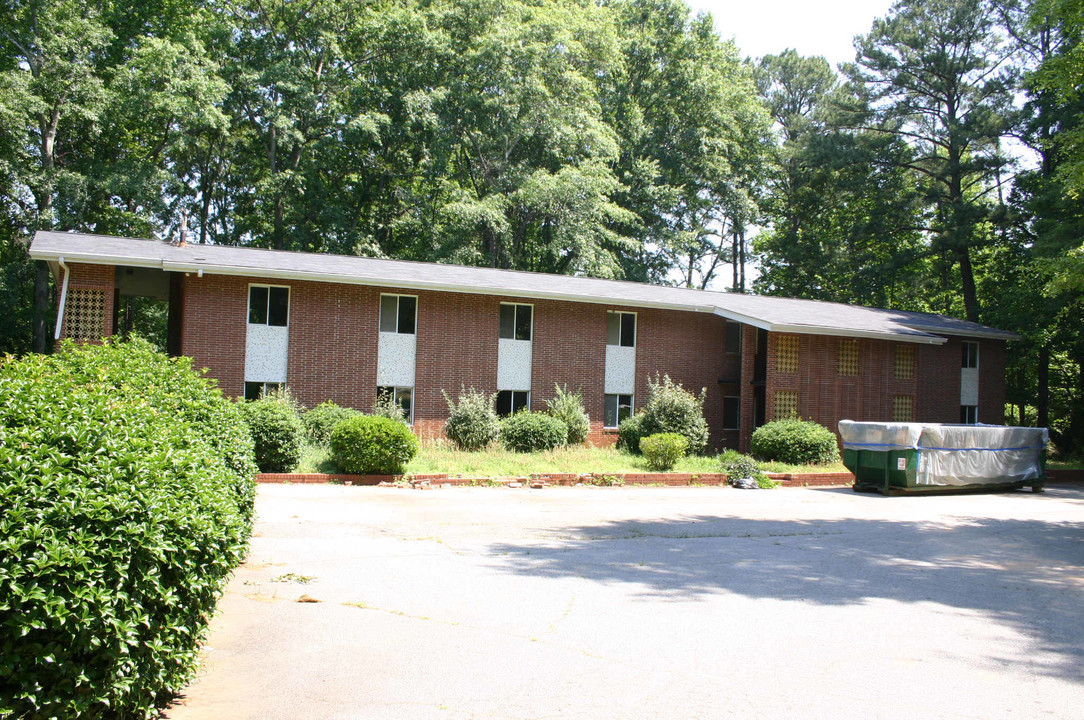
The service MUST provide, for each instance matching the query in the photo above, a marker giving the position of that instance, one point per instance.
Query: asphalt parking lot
(650, 603)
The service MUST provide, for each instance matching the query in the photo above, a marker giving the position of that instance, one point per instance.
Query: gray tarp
(955, 454)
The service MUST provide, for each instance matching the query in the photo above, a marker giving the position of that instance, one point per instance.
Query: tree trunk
(41, 308)
(1042, 404)
(967, 279)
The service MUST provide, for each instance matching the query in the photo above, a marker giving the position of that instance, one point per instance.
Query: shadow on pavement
(1027, 573)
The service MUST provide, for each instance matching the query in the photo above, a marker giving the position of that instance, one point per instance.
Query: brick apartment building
(345, 328)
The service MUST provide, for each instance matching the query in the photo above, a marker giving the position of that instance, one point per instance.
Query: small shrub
(629, 433)
(736, 465)
(568, 408)
(322, 419)
(472, 420)
(385, 406)
(532, 432)
(663, 450)
(798, 442)
(125, 502)
(277, 432)
(671, 408)
(371, 445)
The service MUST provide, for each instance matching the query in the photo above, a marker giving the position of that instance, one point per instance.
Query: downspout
(63, 297)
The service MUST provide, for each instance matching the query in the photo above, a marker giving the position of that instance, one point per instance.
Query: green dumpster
(899, 458)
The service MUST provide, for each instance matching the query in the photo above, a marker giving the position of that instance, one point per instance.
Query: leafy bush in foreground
(532, 432)
(663, 450)
(472, 420)
(322, 419)
(277, 432)
(126, 499)
(372, 445)
(568, 408)
(799, 442)
(671, 408)
(629, 433)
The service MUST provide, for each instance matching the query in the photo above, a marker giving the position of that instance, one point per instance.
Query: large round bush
(126, 491)
(372, 445)
(277, 432)
(472, 420)
(568, 408)
(663, 450)
(532, 432)
(799, 442)
(671, 408)
(322, 419)
(629, 433)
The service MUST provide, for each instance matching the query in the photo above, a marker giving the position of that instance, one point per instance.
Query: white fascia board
(871, 334)
(746, 319)
(97, 259)
(416, 285)
(982, 334)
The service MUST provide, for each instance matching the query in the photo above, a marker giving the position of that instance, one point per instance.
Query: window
(731, 412)
(621, 329)
(969, 414)
(510, 402)
(618, 407)
(786, 354)
(733, 338)
(786, 404)
(398, 314)
(404, 398)
(848, 357)
(268, 305)
(902, 408)
(970, 354)
(256, 390)
(905, 362)
(516, 321)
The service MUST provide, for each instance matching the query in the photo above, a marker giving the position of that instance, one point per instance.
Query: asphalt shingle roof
(771, 313)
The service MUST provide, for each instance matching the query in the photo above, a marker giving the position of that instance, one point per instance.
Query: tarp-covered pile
(955, 454)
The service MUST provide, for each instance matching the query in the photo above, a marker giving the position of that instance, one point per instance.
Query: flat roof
(776, 314)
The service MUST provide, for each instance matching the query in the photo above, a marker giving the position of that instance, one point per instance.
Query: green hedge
(277, 432)
(629, 432)
(663, 450)
(322, 419)
(126, 499)
(372, 445)
(799, 442)
(532, 432)
(472, 420)
(670, 408)
(568, 408)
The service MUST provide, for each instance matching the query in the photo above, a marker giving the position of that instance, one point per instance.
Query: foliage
(737, 465)
(568, 408)
(322, 419)
(277, 432)
(372, 445)
(670, 408)
(126, 493)
(533, 432)
(795, 441)
(386, 406)
(629, 433)
(661, 451)
(472, 420)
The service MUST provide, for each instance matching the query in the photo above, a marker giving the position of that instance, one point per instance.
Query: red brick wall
(92, 277)
(333, 355)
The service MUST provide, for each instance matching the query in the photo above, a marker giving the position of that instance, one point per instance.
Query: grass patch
(440, 457)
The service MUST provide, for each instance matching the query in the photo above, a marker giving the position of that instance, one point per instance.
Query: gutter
(63, 297)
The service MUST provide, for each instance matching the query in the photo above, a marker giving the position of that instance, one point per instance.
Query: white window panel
(514, 364)
(266, 351)
(969, 386)
(396, 359)
(620, 370)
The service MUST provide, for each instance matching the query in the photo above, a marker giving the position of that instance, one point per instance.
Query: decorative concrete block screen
(85, 314)
(848, 357)
(786, 404)
(905, 362)
(786, 354)
(902, 408)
